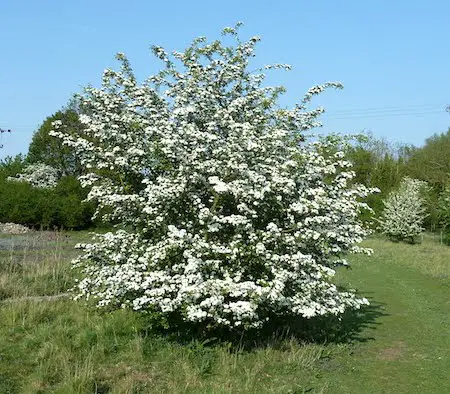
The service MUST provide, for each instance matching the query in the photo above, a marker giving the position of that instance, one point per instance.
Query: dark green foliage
(11, 166)
(50, 150)
(432, 221)
(431, 163)
(445, 237)
(380, 164)
(377, 164)
(60, 207)
(72, 213)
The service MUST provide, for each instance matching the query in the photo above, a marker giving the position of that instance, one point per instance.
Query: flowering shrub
(404, 210)
(229, 212)
(38, 175)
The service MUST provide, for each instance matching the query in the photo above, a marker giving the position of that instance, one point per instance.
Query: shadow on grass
(352, 326)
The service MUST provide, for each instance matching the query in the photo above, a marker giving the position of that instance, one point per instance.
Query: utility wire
(384, 111)
(379, 115)
(412, 107)
(4, 131)
(350, 113)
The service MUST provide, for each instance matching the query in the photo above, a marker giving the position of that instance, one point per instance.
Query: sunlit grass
(36, 264)
(429, 257)
(59, 346)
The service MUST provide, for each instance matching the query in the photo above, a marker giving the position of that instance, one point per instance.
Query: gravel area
(18, 242)
(13, 228)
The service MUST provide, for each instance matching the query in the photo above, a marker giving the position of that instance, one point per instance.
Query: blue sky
(392, 56)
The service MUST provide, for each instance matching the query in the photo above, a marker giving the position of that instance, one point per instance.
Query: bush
(229, 213)
(404, 211)
(47, 208)
(445, 237)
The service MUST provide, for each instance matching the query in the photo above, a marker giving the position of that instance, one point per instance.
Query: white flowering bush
(229, 212)
(38, 175)
(404, 210)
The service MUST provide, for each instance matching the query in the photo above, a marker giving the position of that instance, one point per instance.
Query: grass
(398, 345)
(35, 265)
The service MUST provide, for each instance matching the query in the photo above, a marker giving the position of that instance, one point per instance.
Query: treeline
(59, 206)
(380, 164)
(377, 163)
(46, 208)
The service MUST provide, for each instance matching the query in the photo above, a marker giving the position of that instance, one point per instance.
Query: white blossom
(229, 213)
(404, 210)
(38, 175)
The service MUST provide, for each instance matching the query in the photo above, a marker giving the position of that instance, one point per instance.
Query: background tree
(50, 150)
(11, 166)
(47, 197)
(431, 162)
(378, 164)
(444, 213)
(45, 208)
(404, 211)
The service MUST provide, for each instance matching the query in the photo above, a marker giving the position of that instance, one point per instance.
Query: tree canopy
(431, 162)
(51, 151)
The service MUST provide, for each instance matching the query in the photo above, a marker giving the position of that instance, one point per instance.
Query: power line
(380, 115)
(347, 113)
(388, 108)
(4, 131)
(23, 131)
(384, 111)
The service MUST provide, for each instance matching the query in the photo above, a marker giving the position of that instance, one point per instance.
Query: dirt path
(36, 298)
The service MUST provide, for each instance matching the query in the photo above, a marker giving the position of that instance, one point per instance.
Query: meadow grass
(400, 344)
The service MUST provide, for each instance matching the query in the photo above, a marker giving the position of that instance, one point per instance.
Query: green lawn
(400, 344)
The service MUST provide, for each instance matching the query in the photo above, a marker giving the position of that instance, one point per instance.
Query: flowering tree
(229, 212)
(404, 210)
(38, 175)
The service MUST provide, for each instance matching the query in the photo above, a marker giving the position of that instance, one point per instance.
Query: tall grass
(48, 344)
(54, 345)
(63, 348)
(35, 264)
